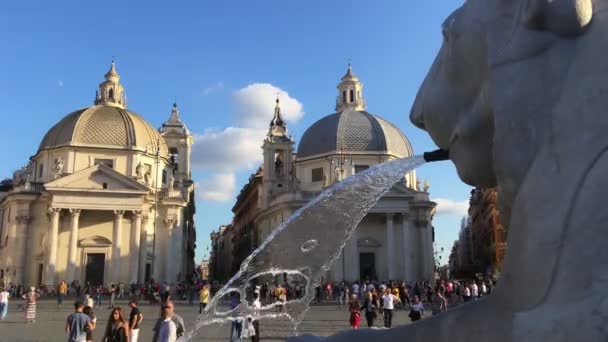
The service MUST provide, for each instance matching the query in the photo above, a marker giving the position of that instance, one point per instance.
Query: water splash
(321, 228)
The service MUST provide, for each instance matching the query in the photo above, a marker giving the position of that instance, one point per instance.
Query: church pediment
(95, 241)
(97, 178)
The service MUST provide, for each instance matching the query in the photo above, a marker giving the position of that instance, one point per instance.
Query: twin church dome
(352, 129)
(106, 124)
(109, 124)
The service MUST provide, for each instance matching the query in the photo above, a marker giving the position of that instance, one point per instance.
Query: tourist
(474, 290)
(98, 296)
(467, 294)
(257, 305)
(370, 305)
(62, 290)
(135, 318)
(88, 301)
(248, 328)
(416, 309)
(167, 309)
(165, 328)
(203, 298)
(116, 330)
(355, 308)
(439, 303)
(388, 300)
(112, 296)
(236, 327)
(30, 305)
(78, 323)
(88, 310)
(4, 296)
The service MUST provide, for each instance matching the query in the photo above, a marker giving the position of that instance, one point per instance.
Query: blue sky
(223, 62)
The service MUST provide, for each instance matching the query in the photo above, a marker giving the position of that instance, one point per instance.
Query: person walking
(256, 305)
(98, 296)
(77, 324)
(388, 301)
(165, 329)
(416, 309)
(370, 306)
(88, 301)
(203, 299)
(62, 290)
(30, 305)
(167, 309)
(135, 318)
(4, 296)
(355, 312)
(88, 310)
(113, 291)
(116, 330)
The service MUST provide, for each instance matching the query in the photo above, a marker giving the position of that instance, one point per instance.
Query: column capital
(74, 212)
(136, 213)
(52, 210)
(119, 212)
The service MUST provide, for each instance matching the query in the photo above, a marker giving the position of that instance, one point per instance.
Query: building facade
(394, 241)
(482, 242)
(106, 198)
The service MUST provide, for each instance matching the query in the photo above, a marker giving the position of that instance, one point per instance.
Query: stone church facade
(105, 199)
(394, 241)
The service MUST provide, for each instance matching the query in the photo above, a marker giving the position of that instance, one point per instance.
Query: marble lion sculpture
(519, 95)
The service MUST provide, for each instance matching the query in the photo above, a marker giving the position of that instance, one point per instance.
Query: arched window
(40, 170)
(352, 96)
(343, 96)
(111, 94)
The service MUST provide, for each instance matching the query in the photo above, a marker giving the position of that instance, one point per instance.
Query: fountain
(517, 96)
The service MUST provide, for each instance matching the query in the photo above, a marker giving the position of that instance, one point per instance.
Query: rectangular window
(106, 162)
(317, 174)
(361, 168)
(40, 170)
(165, 174)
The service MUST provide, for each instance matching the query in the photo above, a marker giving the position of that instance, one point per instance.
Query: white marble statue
(139, 170)
(58, 168)
(171, 184)
(518, 94)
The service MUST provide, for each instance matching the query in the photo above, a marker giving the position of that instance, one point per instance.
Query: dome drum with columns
(103, 200)
(393, 242)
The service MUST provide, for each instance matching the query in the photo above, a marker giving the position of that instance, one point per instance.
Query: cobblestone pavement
(321, 320)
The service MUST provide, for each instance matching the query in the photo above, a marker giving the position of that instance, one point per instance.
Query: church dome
(104, 126)
(107, 124)
(353, 131)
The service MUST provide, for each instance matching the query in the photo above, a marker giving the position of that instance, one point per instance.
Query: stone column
(75, 214)
(51, 265)
(116, 245)
(390, 246)
(134, 251)
(407, 248)
(21, 237)
(143, 244)
(168, 256)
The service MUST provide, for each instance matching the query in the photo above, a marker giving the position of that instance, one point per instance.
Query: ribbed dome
(104, 126)
(353, 131)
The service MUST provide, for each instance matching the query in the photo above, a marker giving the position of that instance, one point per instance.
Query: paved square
(322, 320)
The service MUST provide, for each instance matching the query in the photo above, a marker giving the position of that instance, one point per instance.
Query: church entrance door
(367, 266)
(95, 268)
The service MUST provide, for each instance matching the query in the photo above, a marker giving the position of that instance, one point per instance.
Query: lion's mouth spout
(437, 155)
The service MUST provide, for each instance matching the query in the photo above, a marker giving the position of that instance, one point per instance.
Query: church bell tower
(179, 142)
(278, 172)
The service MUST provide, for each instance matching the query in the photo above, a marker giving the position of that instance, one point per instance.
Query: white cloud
(255, 105)
(60, 83)
(213, 88)
(225, 153)
(229, 150)
(218, 188)
(450, 207)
